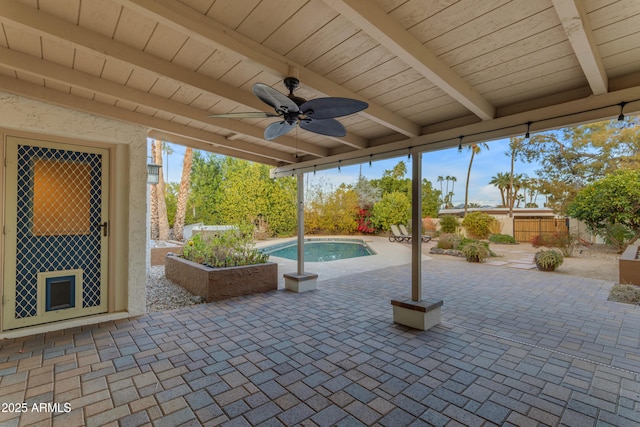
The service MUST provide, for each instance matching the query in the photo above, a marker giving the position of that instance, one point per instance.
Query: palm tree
(475, 149)
(501, 180)
(516, 184)
(163, 220)
(181, 208)
(440, 179)
(453, 180)
(154, 201)
(167, 149)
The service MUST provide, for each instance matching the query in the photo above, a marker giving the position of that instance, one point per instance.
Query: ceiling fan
(317, 115)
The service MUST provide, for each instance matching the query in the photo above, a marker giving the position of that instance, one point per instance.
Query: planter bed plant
(222, 267)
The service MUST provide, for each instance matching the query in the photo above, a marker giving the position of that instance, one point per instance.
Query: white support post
(417, 313)
(300, 183)
(416, 228)
(300, 281)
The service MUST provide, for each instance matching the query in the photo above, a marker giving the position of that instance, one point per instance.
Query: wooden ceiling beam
(576, 25)
(205, 146)
(386, 31)
(585, 110)
(77, 37)
(186, 20)
(58, 73)
(79, 103)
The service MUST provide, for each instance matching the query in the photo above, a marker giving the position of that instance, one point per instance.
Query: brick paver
(515, 348)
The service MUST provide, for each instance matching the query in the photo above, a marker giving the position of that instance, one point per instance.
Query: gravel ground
(163, 294)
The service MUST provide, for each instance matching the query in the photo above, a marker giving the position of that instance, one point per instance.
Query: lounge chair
(404, 231)
(396, 236)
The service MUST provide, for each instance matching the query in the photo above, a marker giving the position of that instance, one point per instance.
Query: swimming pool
(321, 250)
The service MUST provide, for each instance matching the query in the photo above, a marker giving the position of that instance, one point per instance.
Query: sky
(444, 163)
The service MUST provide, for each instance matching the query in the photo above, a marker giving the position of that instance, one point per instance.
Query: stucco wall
(22, 116)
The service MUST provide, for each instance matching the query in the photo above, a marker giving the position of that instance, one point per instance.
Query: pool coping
(388, 254)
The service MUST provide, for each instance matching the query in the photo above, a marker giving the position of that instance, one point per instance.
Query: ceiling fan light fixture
(317, 115)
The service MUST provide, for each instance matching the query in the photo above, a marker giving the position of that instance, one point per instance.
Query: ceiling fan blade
(244, 115)
(329, 127)
(277, 129)
(277, 100)
(328, 108)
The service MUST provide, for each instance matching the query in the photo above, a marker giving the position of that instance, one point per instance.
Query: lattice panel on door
(58, 221)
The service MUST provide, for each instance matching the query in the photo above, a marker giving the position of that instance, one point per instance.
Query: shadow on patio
(515, 348)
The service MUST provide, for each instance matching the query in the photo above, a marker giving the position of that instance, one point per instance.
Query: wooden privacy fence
(525, 228)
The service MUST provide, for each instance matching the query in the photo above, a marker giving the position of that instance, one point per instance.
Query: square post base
(422, 315)
(300, 282)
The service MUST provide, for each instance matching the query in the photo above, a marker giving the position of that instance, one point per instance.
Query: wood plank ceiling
(431, 71)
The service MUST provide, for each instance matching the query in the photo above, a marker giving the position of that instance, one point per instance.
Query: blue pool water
(321, 250)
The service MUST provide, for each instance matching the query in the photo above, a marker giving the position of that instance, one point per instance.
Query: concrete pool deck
(388, 254)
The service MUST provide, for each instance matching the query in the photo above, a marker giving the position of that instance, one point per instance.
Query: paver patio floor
(516, 347)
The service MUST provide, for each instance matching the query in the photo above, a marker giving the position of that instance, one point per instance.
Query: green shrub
(449, 224)
(479, 224)
(429, 224)
(465, 241)
(548, 259)
(393, 208)
(449, 241)
(629, 294)
(616, 235)
(502, 238)
(228, 249)
(475, 251)
(564, 241)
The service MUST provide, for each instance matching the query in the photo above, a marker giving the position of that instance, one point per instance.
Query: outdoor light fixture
(153, 173)
(526, 135)
(460, 145)
(621, 116)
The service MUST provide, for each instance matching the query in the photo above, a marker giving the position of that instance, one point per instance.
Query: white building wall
(22, 116)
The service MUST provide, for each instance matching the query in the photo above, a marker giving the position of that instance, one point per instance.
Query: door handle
(105, 228)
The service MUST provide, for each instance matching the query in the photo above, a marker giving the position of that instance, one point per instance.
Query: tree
(612, 200)
(393, 208)
(394, 180)
(332, 211)
(281, 213)
(205, 187)
(163, 220)
(575, 157)
(502, 181)
(153, 226)
(430, 199)
(368, 195)
(167, 149)
(183, 194)
(244, 188)
(475, 149)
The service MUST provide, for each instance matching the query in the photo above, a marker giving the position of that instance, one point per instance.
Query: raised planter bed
(215, 284)
(160, 249)
(629, 266)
